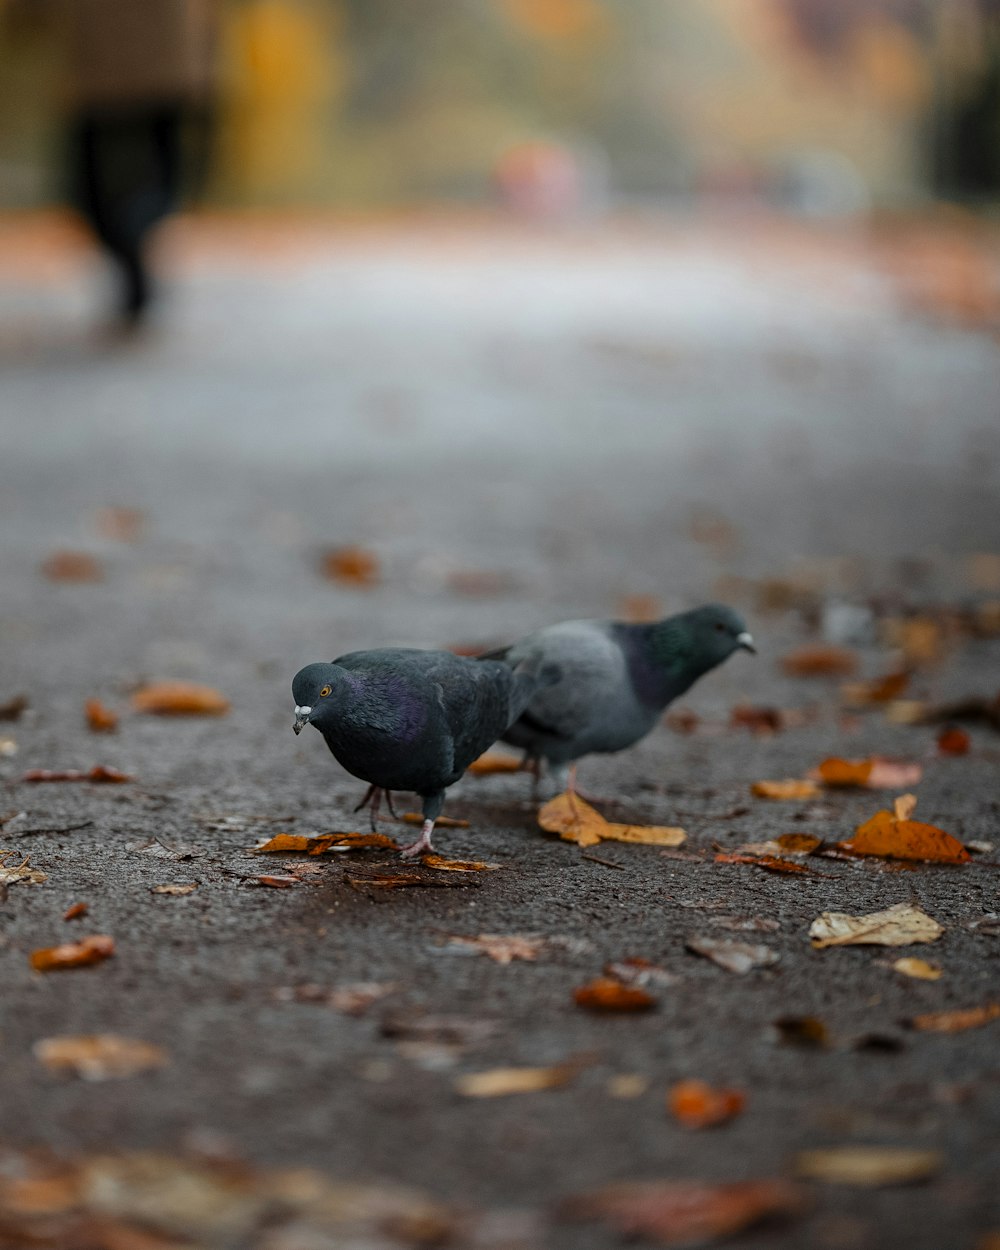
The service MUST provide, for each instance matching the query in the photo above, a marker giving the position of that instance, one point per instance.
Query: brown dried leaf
(72, 566)
(11, 874)
(607, 994)
(739, 957)
(88, 950)
(100, 773)
(793, 789)
(956, 1021)
(494, 762)
(576, 821)
(399, 878)
(798, 843)
(175, 888)
(900, 925)
(503, 948)
(919, 968)
(772, 863)
(882, 690)
(352, 566)
(124, 525)
(868, 1165)
(99, 718)
(76, 911)
(807, 1031)
(321, 843)
(892, 835)
(820, 661)
(99, 1057)
(14, 708)
(759, 720)
(179, 698)
(276, 883)
(442, 822)
(431, 859)
(686, 1213)
(838, 772)
(697, 1105)
(953, 741)
(498, 1082)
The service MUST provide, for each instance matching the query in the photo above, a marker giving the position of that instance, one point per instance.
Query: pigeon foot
(423, 843)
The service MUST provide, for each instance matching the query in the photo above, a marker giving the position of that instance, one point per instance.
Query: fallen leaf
(351, 566)
(868, 1165)
(682, 720)
(919, 968)
(920, 638)
(791, 789)
(397, 878)
(686, 1213)
(739, 957)
(881, 690)
(748, 924)
(798, 843)
(320, 843)
(99, 1057)
(72, 566)
(442, 822)
(498, 1082)
(431, 859)
(697, 1105)
(276, 883)
(956, 1021)
(100, 773)
(892, 835)
(503, 948)
(576, 821)
(13, 709)
(122, 524)
(808, 1031)
(179, 698)
(11, 874)
(175, 888)
(76, 911)
(494, 762)
(627, 1085)
(759, 720)
(89, 950)
(773, 863)
(99, 718)
(953, 741)
(608, 995)
(974, 708)
(820, 661)
(8, 746)
(640, 972)
(871, 774)
(900, 925)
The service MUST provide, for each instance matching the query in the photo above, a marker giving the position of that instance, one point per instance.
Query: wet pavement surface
(520, 429)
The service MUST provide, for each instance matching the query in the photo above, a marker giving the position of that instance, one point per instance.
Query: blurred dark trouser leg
(125, 167)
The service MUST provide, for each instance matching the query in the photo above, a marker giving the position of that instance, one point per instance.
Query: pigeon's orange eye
(324, 692)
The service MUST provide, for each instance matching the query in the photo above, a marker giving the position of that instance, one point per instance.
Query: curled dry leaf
(494, 762)
(179, 698)
(739, 957)
(956, 1021)
(275, 883)
(175, 888)
(498, 1082)
(892, 835)
(576, 821)
(89, 950)
(697, 1105)
(881, 690)
(870, 774)
(773, 863)
(918, 968)
(798, 843)
(99, 1057)
(320, 843)
(820, 661)
(900, 925)
(100, 773)
(442, 822)
(72, 566)
(430, 859)
(351, 566)
(503, 948)
(11, 874)
(953, 740)
(686, 1213)
(99, 718)
(793, 788)
(868, 1165)
(76, 911)
(607, 994)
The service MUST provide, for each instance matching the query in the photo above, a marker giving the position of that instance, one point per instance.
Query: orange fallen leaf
(759, 720)
(99, 1057)
(871, 774)
(179, 698)
(89, 950)
(953, 741)
(576, 821)
(799, 843)
(697, 1105)
(956, 1021)
(76, 911)
(498, 1082)
(351, 566)
(820, 661)
(919, 968)
(838, 772)
(320, 843)
(432, 860)
(686, 1213)
(881, 690)
(892, 835)
(608, 994)
(100, 773)
(398, 878)
(791, 789)
(494, 762)
(442, 822)
(72, 566)
(277, 883)
(100, 719)
(773, 863)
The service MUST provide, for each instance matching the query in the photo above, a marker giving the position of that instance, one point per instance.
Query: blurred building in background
(557, 107)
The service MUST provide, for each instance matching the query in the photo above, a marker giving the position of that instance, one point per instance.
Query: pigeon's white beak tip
(745, 641)
(302, 715)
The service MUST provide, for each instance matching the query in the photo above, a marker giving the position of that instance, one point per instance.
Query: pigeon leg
(372, 797)
(532, 764)
(423, 843)
(388, 799)
(577, 792)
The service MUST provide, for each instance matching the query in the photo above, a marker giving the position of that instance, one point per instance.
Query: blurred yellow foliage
(556, 19)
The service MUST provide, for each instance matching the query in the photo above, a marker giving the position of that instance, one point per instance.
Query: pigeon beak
(745, 641)
(302, 715)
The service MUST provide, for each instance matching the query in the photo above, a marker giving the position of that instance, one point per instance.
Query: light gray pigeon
(405, 719)
(614, 681)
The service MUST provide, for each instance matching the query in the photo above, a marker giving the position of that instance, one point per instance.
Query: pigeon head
(314, 690)
(711, 634)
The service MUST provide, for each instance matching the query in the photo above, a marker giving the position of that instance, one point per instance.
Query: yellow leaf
(918, 968)
(500, 1081)
(576, 821)
(868, 1165)
(494, 762)
(790, 789)
(100, 1056)
(896, 926)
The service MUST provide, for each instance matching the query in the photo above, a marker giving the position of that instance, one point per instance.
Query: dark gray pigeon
(403, 719)
(614, 680)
